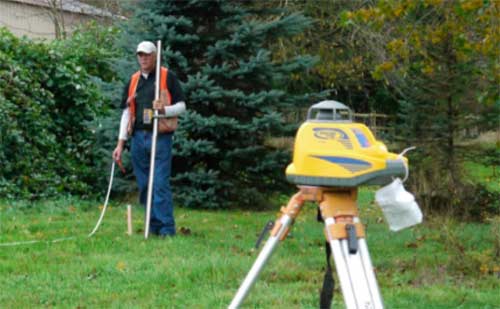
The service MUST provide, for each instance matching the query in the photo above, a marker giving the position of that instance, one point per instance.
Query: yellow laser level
(331, 150)
(332, 157)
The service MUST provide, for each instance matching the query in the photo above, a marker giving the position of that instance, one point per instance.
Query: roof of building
(72, 6)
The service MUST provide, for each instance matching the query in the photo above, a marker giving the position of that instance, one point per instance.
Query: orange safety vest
(164, 124)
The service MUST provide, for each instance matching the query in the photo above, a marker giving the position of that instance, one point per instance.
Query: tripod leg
(278, 233)
(355, 272)
(370, 276)
(352, 261)
(341, 267)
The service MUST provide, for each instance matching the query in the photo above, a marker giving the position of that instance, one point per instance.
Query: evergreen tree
(220, 51)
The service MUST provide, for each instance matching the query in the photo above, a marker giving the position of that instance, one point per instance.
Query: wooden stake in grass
(129, 219)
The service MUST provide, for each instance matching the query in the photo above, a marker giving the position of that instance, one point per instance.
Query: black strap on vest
(326, 295)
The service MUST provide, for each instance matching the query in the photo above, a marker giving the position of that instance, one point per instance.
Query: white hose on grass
(106, 201)
(29, 242)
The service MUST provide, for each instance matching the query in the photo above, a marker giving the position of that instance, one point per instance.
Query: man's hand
(117, 153)
(159, 105)
(162, 102)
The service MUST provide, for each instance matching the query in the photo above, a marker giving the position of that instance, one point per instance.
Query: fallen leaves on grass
(121, 266)
(185, 230)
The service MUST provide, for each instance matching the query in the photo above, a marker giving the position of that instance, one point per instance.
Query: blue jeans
(162, 210)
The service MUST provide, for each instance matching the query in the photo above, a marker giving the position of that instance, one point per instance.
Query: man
(136, 121)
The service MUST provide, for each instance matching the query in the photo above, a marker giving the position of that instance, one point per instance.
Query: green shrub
(47, 100)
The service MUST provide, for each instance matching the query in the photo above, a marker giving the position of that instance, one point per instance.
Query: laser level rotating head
(333, 151)
(329, 111)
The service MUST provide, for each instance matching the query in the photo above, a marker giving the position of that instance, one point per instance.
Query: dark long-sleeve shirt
(145, 95)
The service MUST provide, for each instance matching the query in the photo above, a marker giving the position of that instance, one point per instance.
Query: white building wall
(35, 21)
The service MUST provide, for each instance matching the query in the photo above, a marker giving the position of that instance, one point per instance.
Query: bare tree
(56, 14)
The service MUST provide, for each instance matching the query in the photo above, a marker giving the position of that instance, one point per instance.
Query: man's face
(147, 62)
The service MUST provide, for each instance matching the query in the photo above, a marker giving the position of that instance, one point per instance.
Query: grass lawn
(439, 264)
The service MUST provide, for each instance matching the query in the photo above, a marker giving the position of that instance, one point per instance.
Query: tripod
(345, 235)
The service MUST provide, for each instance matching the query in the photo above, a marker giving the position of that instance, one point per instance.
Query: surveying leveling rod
(153, 143)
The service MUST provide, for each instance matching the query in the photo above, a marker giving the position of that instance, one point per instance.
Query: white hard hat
(146, 47)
